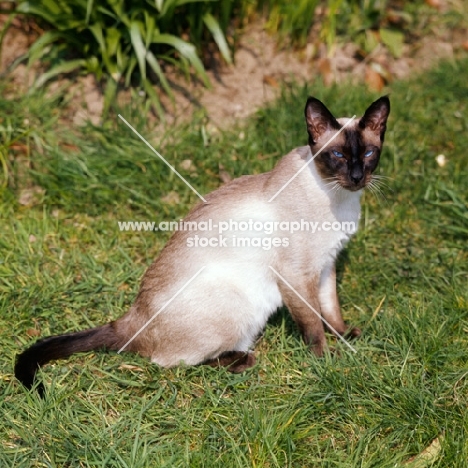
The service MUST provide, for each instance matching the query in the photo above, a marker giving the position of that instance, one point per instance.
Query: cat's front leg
(330, 306)
(304, 306)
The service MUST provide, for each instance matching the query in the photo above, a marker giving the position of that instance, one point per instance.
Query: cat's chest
(343, 207)
(343, 223)
(332, 222)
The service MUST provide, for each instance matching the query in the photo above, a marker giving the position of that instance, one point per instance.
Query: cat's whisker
(334, 188)
(379, 189)
(381, 177)
(331, 186)
(329, 178)
(376, 195)
(376, 191)
(380, 183)
(381, 186)
(337, 188)
(371, 186)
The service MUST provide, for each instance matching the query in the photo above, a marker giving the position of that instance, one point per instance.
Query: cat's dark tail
(62, 346)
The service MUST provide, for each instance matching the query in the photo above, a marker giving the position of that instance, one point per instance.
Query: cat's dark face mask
(346, 151)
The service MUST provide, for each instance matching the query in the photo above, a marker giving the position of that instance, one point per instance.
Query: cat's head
(352, 156)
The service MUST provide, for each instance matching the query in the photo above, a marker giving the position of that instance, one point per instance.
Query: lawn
(64, 266)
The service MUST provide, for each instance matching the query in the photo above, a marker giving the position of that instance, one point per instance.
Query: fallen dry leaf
(343, 63)
(130, 367)
(374, 80)
(325, 69)
(172, 198)
(427, 457)
(270, 81)
(438, 4)
(70, 147)
(20, 148)
(224, 175)
(309, 52)
(382, 71)
(187, 165)
(441, 160)
(32, 332)
(31, 196)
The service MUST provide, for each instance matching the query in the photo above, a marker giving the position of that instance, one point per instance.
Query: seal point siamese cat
(208, 305)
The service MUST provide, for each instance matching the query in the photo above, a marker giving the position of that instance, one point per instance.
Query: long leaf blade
(218, 36)
(153, 98)
(139, 47)
(65, 67)
(39, 48)
(154, 64)
(187, 50)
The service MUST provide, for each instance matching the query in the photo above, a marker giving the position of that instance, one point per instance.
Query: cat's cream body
(208, 304)
(187, 330)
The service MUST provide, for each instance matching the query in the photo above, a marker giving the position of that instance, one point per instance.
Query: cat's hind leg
(235, 361)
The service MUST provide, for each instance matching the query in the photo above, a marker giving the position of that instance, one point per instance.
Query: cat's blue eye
(368, 153)
(337, 154)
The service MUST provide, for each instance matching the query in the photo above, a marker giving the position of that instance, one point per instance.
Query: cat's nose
(356, 179)
(356, 175)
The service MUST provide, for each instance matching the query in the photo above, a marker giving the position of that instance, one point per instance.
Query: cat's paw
(243, 363)
(317, 348)
(353, 332)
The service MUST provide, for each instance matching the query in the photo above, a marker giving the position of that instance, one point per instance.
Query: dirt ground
(255, 78)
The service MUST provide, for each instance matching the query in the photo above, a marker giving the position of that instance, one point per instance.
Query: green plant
(351, 17)
(292, 20)
(371, 22)
(125, 42)
(362, 21)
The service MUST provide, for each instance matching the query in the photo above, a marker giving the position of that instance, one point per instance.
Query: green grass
(406, 386)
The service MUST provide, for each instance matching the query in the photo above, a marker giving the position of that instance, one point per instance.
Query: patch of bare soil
(16, 42)
(260, 68)
(255, 79)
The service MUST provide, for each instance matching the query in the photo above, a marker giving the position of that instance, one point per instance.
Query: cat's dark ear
(319, 119)
(376, 115)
